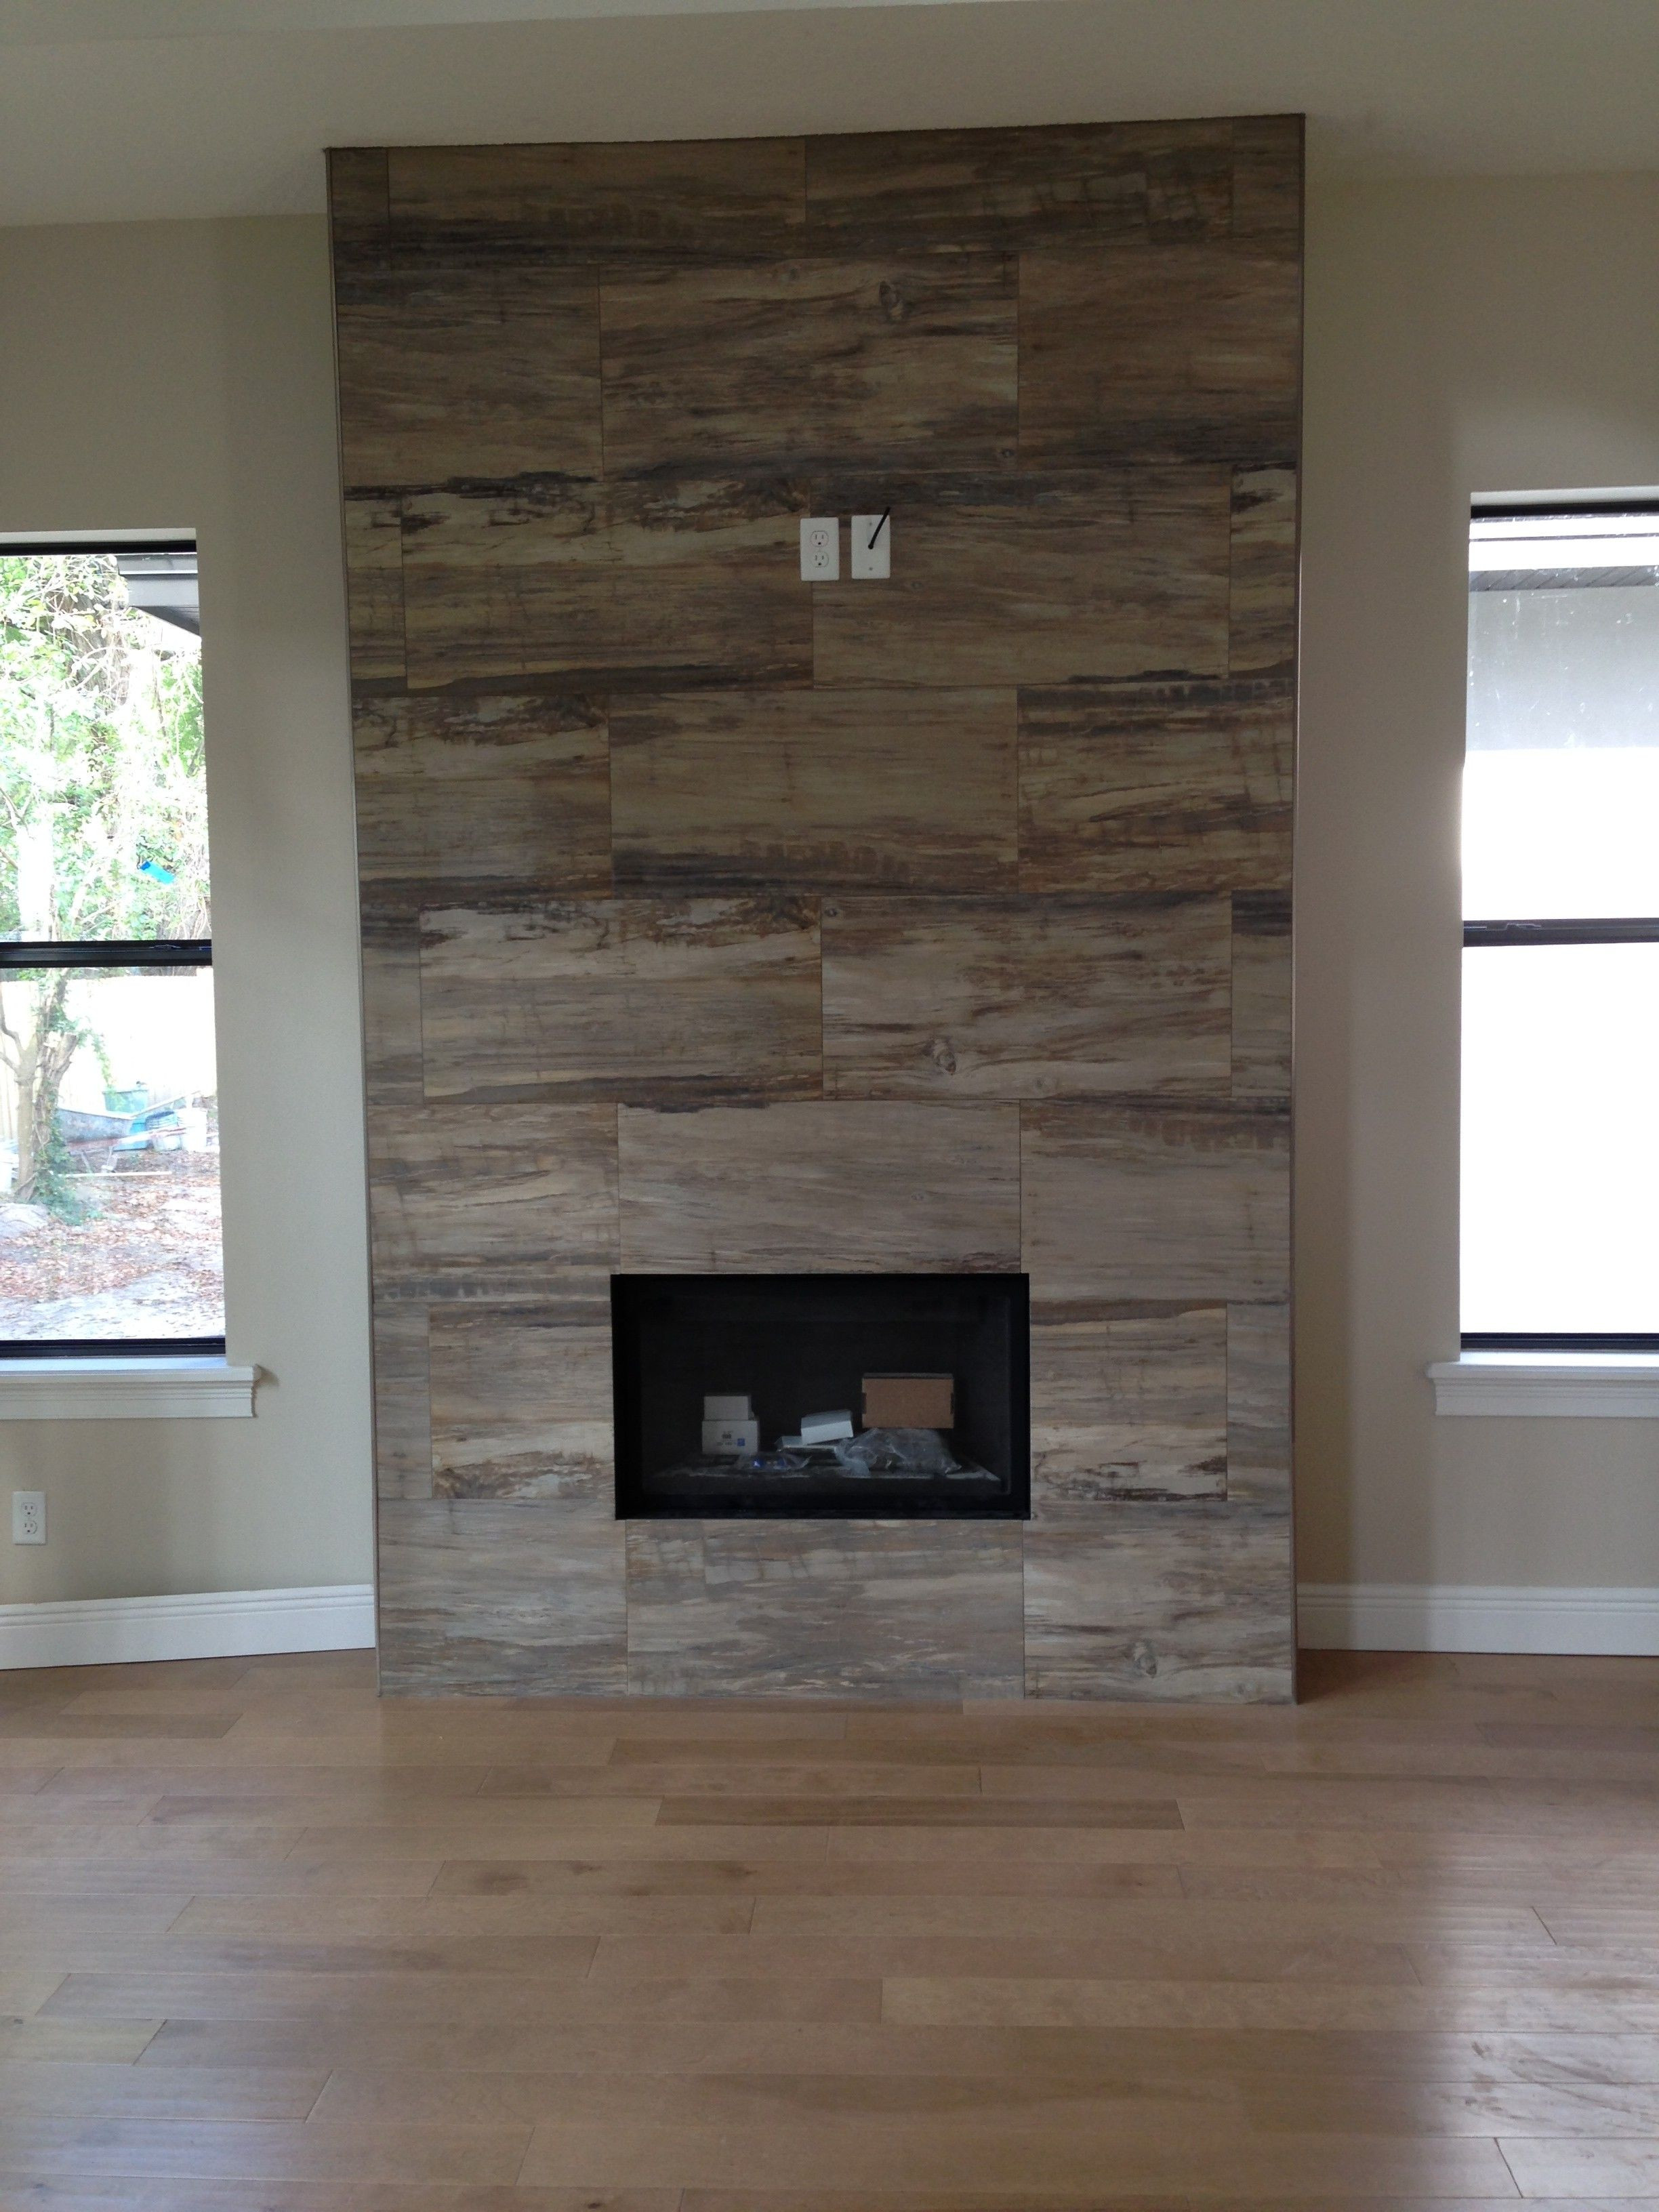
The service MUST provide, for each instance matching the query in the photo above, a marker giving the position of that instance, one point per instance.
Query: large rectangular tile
(915, 1609)
(813, 361)
(1130, 1404)
(360, 214)
(374, 590)
(1259, 1404)
(1018, 187)
(402, 1424)
(468, 373)
(1262, 613)
(1262, 995)
(652, 1000)
(1186, 1601)
(1267, 157)
(553, 205)
(481, 1595)
(506, 788)
(1171, 352)
(1025, 998)
(521, 1406)
(1156, 787)
(582, 585)
(1025, 578)
(470, 1199)
(1144, 1203)
(392, 1008)
(828, 790)
(829, 1186)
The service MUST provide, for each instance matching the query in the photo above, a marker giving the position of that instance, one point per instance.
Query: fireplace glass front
(815, 1396)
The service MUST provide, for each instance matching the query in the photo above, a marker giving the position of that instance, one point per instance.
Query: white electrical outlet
(28, 1517)
(872, 545)
(820, 549)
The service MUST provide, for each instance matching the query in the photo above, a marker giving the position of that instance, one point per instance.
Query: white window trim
(140, 1388)
(1609, 1385)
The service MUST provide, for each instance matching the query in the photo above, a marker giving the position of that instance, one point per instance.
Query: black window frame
(136, 953)
(1634, 929)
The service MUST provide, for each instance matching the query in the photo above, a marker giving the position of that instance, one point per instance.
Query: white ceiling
(139, 108)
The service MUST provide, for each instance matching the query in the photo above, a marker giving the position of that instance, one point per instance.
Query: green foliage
(52, 1185)
(101, 758)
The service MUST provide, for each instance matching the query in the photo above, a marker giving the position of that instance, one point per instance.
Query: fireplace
(714, 1376)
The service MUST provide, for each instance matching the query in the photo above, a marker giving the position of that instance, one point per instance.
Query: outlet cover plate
(820, 549)
(28, 1517)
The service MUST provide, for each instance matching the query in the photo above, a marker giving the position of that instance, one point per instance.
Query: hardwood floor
(269, 1945)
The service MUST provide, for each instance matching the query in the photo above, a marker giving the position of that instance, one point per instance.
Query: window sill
(1609, 1385)
(146, 1388)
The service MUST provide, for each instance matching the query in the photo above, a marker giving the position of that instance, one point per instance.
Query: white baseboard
(105, 1631)
(1476, 1617)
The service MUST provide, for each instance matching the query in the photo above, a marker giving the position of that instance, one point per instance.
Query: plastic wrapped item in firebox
(777, 1461)
(897, 1451)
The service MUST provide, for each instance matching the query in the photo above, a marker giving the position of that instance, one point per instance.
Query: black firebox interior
(802, 1344)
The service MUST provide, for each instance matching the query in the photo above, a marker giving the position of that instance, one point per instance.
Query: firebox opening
(715, 1376)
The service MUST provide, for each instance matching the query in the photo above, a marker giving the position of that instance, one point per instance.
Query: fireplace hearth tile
(524, 1599)
(1143, 1601)
(920, 1609)
(839, 1187)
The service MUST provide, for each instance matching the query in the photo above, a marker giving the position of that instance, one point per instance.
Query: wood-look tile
(576, 204)
(813, 361)
(905, 1186)
(1015, 188)
(360, 214)
(822, 790)
(374, 591)
(117, 2092)
(1187, 1600)
(825, 1607)
(251, 2150)
(1263, 614)
(653, 1001)
(505, 788)
(469, 373)
(1130, 1202)
(483, 1595)
(1024, 999)
(1267, 176)
(1259, 1404)
(1131, 1404)
(1162, 788)
(1023, 578)
(559, 584)
(392, 1009)
(1262, 995)
(520, 1406)
(403, 1422)
(471, 1200)
(1179, 351)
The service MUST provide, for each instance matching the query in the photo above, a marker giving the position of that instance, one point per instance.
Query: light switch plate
(820, 549)
(872, 545)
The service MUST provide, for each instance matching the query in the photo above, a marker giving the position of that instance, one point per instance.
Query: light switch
(820, 549)
(872, 545)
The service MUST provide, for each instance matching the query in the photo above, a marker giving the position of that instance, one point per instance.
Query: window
(1560, 1172)
(109, 1147)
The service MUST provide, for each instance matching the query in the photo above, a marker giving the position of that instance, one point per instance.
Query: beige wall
(169, 375)
(1461, 337)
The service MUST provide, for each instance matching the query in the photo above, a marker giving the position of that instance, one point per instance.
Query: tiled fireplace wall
(713, 921)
